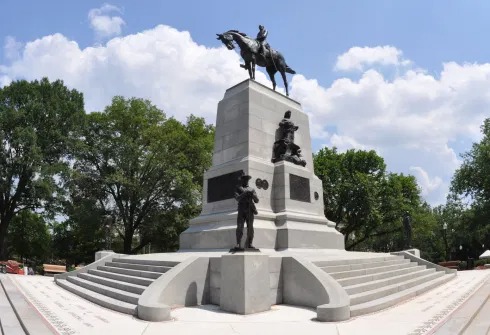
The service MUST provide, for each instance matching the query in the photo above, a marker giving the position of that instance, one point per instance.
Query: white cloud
(161, 64)
(103, 24)
(411, 119)
(358, 58)
(12, 48)
(426, 183)
(343, 143)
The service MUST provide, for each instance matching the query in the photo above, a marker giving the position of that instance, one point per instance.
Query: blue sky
(408, 79)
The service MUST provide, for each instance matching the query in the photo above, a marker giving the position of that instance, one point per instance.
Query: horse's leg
(253, 69)
(272, 71)
(285, 80)
(249, 68)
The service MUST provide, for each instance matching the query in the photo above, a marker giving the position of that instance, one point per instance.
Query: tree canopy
(38, 122)
(138, 165)
(365, 201)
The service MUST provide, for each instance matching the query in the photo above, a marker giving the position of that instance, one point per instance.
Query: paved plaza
(458, 306)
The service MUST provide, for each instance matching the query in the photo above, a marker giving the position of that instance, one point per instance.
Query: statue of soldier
(247, 198)
(261, 37)
(407, 228)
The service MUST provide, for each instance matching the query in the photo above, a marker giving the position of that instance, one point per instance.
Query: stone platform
(445, 310)
(290, 208)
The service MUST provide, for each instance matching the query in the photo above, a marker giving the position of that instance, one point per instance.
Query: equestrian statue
(257, 52)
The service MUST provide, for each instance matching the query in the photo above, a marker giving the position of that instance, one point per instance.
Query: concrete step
(99, 299)
(374, 259)
(9, 323)
(128, 287)
(358, 266)
(141, 267)
(393, 299)
(129, 272)
(376, 276)
(378, 269)
(372, 285)
(114, 293)
(120, 277)
(360, 298)
(145, 262)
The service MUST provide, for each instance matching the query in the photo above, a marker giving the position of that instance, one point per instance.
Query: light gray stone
(305, 284)
(409, 255)
(102, 254)
(187, 284)
(245, 283)
(247, 121)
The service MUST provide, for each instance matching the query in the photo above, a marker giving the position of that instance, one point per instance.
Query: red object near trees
(12, 266)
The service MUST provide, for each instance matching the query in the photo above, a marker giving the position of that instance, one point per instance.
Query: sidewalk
(425, 314)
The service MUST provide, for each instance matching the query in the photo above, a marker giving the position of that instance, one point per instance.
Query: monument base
(271, 231)
(245, 286)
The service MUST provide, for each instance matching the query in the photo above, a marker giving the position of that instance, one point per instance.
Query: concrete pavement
(425, 314)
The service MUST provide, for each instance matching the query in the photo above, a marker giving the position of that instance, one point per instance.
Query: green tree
(470, 187)
(38, 121)
(365, 201)
(472, 179)
(137, 165)
(29, 237)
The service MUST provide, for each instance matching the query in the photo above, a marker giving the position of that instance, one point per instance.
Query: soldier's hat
(245, 177)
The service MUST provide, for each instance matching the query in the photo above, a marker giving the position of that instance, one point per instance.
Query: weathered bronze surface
(257, 52)
(247, 198)
(284, 148)
(223, 187)
(299, 188)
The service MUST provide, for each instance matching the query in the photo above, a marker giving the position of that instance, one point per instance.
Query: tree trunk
(128, 241)
(3, 236)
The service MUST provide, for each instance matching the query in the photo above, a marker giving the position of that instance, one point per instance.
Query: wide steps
(145, 262)
(372, 285)
(111, 292)
(359, 298)
(381, 275)
(121, 277)
(133, 288)
(99, 299)
(130, 272)
(359, 266)
(368, 271)
(334, 262)
(393, 299)
(141, 267)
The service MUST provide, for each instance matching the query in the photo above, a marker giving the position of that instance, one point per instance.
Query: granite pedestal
(245, 283)
(290, 208)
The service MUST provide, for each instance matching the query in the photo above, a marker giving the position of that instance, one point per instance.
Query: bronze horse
(249, 50)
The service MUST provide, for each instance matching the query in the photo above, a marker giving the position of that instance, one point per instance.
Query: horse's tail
(289, 70)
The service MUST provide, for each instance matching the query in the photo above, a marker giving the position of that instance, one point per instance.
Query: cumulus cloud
(162, 64)
(411, 119)
(103, 24)
(358, 58)
(426, 183)
(12, 48)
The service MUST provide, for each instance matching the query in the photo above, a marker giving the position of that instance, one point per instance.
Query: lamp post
(444, 227)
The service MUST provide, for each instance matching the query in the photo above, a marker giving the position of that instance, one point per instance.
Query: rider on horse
(261, 36)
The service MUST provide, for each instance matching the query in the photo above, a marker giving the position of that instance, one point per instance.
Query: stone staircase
(377, 283)
(117, 284)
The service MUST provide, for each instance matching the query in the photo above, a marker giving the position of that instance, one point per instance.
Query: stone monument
(290, 208)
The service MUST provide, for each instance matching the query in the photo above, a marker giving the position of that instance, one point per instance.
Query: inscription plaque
(223, 187)
(299, 188)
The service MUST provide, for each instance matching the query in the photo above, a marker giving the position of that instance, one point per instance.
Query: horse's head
(227, 40)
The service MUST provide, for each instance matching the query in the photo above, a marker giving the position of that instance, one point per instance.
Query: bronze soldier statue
(247, 198)
(261, 37)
